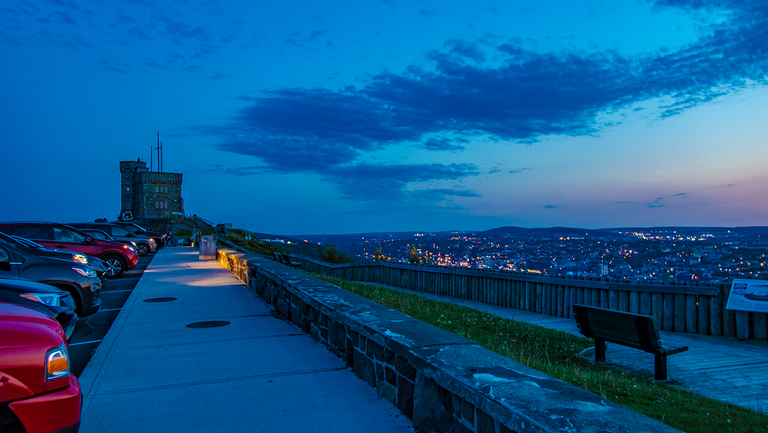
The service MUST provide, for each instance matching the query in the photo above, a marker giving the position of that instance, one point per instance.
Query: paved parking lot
(92, 329)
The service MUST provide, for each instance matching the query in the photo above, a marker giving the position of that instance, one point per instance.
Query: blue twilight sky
(351, 116)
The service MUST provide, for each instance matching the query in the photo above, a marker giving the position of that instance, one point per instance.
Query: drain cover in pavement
(159, 299)
(208, 324)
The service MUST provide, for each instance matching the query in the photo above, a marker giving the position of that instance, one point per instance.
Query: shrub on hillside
(330, 255)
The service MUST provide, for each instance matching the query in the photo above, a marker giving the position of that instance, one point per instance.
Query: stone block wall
(443, 382)
(150, 195)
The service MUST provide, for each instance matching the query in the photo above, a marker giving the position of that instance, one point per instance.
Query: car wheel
(115, 266)
(143, 249)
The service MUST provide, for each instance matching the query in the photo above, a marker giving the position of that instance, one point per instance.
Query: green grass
(237, 236)
(555, 353)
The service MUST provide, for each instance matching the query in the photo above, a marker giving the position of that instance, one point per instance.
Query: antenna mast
(159, 161)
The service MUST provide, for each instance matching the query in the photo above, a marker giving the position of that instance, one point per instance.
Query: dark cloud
(443, 197)
(441, 144)
(66, 4)
(115, 67)
(499, 92)
(65, 18)
(465, 49)
(235, 171)
(659, 202)
(386, 183)
(180, 31)
(316, 34)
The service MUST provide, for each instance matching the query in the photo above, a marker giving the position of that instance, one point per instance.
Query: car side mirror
(5, 266)
(89, 241)
(131, 235)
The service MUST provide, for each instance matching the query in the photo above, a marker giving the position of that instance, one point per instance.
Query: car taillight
(56, 363)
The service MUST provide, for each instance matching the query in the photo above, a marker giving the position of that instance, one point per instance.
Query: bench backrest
(278, 257)
(633, 330)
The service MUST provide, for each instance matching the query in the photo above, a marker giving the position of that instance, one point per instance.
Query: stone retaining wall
(443, 382)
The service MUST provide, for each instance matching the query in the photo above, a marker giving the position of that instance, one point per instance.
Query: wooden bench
(285, 259)
(628, 329)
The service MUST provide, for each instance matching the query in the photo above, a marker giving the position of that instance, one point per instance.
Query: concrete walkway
(155, 372)
(720, 368)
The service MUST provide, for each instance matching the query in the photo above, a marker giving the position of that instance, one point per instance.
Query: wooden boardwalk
(720, 368)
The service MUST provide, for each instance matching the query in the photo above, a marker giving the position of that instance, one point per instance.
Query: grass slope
(555, 353)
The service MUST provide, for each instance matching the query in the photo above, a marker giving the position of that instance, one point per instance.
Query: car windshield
(66, 235)
(98, 234)
(119, 231)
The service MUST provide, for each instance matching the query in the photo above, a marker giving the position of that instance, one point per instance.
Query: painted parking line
(110, 309)
(84, 342)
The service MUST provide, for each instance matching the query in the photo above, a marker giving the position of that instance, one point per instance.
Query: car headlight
(133, 243)
(56, 363)
(80, 258)
(49, 299)
(90, 273)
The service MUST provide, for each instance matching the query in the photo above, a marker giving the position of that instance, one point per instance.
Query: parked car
(144, 244)
(39, 250)
(98, 265)
(38, 394)
(41, 297)
(101, 234)
(139, 230)
(33, 247)
(118, 257)
(79, 280)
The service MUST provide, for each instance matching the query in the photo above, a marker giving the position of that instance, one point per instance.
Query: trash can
(207, 248)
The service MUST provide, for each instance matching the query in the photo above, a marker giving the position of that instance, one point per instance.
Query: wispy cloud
(441, 144)
(379, 182)
(235, 171)
(659, 202)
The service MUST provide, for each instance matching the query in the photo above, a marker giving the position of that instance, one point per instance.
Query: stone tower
(154, 197)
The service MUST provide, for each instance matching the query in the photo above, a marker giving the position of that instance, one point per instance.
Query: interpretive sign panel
(749, 295)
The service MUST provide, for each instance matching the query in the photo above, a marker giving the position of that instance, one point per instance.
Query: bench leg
(599, 350)
(660, 367)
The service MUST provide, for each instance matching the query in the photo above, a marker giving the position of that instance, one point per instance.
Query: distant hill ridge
(558, 231)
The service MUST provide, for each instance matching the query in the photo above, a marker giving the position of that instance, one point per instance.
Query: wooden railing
(697, 309)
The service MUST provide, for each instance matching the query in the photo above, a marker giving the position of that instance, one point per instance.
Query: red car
(117, 256)
(37, 392)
